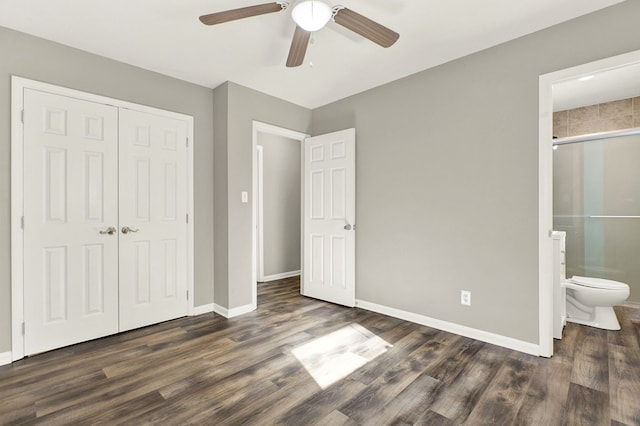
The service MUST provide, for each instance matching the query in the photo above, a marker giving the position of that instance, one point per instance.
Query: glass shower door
(596, 202)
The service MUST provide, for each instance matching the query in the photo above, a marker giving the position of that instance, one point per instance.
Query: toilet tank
(559, 276)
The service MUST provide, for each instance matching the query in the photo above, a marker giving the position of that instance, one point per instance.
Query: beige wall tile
(560, 118)
(606, 117)
(619, 108)
(583, 128)
(602, 125)
(560, 131)
(615, 123)
(583, 114)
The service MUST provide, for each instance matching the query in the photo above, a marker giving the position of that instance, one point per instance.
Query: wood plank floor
(300, 361)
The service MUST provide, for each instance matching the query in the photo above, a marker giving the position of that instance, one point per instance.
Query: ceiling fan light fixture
(311, 15)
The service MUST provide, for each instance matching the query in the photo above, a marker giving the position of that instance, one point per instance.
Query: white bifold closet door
(105, 233)
(70, 196)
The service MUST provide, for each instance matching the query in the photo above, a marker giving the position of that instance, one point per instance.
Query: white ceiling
(166, 36)
(606, 86)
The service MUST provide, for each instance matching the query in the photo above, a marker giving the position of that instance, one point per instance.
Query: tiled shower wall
(616, 115)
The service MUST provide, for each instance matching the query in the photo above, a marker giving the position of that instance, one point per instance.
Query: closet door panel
(153, 228)
(70, 197)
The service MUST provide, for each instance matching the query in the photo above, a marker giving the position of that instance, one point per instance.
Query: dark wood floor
(249, 370)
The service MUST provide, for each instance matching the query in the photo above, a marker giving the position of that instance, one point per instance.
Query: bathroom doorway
(551, 94)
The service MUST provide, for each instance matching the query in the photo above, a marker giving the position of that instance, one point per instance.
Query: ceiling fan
(309, 16)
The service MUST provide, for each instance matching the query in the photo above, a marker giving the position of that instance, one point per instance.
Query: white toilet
(583, 300)
(590, 301)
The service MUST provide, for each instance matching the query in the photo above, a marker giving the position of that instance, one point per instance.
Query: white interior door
(153, 219)
(329, 217)
(70, 199)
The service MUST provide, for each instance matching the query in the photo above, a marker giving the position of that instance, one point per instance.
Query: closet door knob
(126, 229)
(109, 231)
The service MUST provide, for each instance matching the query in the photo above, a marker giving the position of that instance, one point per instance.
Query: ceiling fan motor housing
(312, 15)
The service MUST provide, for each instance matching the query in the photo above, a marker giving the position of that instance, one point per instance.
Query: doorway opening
(277, 201)
(549, 85)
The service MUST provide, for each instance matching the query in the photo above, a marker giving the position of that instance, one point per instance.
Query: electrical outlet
(465, 297)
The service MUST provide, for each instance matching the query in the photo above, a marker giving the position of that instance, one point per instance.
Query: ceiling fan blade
(366, 27)
(241, 13)
(298, 48)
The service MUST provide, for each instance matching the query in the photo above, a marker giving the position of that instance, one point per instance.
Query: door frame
(258, 241)
(545, 184)
(18, 84)
(259, 213)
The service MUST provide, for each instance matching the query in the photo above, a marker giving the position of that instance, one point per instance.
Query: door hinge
(22, 222)
(187, 217)
(187, 142)
(23, 328)
(187, 294)
(22, 116)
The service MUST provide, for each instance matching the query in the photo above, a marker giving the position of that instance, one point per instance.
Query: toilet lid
(599, 283)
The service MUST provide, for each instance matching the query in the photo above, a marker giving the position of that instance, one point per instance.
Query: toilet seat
(600, 283)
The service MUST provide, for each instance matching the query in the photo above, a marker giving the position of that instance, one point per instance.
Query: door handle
(348, 227)
(126, 229)
(110, 230)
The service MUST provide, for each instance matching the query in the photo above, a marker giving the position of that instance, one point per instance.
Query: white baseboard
(281, 276)
(233, 312)
(5, 358)
(484, 336)
(203, 309)
(220, 310)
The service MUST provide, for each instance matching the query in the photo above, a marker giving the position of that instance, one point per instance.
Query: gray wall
(243, 106)
(281, 203)
(447, 175)
(38, 59)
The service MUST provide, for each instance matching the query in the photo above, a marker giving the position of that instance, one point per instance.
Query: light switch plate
(245, 197)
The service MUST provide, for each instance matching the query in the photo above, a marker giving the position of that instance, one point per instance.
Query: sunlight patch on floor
(333, 357)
